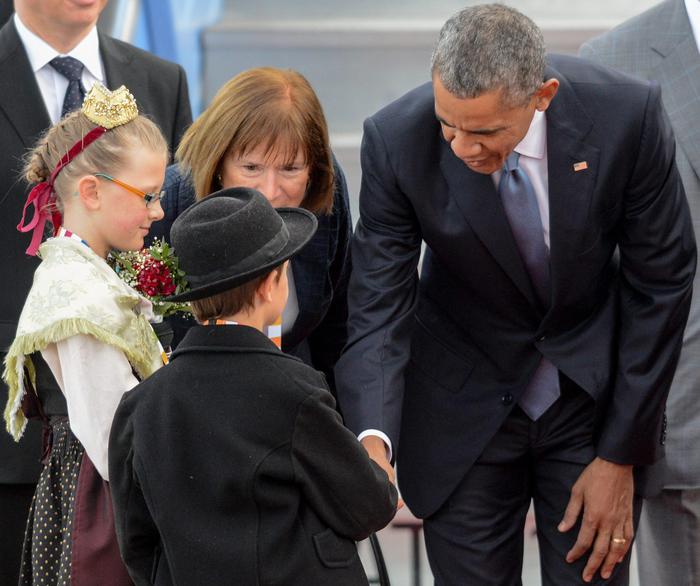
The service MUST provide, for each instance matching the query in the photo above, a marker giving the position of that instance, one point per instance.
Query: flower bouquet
(154, 272)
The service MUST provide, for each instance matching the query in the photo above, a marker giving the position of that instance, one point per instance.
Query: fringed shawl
(76, 292)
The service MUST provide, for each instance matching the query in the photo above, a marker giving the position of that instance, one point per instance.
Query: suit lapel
(678, 73)
(119, 69)
(20, 97)
(570, 190)
(478, 200)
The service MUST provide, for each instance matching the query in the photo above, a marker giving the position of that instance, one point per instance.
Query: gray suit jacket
(160, 89)
(659, 45)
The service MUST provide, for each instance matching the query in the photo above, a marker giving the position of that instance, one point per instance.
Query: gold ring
(619, 540)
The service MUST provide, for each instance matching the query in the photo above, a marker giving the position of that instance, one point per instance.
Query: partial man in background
(50, 55)
(661, 44)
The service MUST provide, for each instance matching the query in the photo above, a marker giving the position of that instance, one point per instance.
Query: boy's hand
(377, 451)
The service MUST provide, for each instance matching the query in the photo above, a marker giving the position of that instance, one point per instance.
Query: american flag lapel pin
(580, 166)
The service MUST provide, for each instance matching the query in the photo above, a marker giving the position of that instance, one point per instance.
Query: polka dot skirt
(46, 556)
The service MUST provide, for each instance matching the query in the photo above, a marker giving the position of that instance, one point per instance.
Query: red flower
(154, 278)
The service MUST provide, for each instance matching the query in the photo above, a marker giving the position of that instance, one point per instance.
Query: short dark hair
(231, 301)
(490, 47)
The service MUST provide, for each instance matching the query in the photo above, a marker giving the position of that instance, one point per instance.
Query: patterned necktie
(520, 204)
(72, 70)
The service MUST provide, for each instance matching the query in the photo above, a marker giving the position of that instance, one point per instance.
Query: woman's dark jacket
(321, 272)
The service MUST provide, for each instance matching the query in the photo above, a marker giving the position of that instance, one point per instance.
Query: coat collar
(227, 339)
(569, 192)
(25, 111)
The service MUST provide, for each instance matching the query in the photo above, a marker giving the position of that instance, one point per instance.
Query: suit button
(507, 399)
(542, 338)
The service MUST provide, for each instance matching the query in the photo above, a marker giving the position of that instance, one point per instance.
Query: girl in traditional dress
(84, 337)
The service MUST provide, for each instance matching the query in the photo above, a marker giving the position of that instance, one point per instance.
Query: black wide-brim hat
(233, 236)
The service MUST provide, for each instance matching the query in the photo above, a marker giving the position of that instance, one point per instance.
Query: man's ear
(87, 191)
(545, 94)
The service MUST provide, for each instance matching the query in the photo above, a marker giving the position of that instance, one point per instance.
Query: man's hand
(376, 448)
(603, 494)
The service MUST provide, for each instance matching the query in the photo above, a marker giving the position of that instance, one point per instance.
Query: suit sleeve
(348, 491)
(136, 531)
(329, 338)
(657, 266)
(382, 297)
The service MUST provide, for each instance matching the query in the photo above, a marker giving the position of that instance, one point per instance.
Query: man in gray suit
(661, 44)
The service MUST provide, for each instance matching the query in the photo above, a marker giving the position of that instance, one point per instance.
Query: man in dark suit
(29, 103)
(532, 358)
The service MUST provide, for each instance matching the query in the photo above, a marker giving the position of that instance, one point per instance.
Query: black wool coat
(231, 466)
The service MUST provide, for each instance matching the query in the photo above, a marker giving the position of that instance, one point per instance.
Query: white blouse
(93, 377)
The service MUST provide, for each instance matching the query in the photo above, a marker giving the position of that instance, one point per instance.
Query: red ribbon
(43, 196)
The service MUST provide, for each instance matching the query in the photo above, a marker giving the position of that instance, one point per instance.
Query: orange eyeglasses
(148, 197)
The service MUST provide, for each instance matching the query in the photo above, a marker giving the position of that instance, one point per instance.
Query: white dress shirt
(52, 84)
(533, 160)
(692, 7)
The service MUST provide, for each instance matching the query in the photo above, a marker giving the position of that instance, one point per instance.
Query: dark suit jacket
(231, 466)
(321, 272)
(438, 363)
(160, 89)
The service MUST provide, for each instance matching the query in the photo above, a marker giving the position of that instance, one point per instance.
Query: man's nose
(464, 147)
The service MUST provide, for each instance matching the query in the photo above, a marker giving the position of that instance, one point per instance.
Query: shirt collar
(40, 52)
(535, 142)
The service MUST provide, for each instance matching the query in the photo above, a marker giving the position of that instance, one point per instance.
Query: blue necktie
(72, 70)
(522, 211)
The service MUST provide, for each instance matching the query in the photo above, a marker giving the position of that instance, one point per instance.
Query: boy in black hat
(230, 465)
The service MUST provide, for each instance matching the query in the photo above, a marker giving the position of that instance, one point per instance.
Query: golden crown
(109, 109)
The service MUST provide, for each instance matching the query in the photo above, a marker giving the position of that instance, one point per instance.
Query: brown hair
(264, 104)
(105, 155)
(231, 301)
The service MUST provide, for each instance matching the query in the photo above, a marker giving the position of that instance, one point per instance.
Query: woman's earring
(218, 178)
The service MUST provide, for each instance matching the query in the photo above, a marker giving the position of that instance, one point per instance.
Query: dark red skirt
(70, 537)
